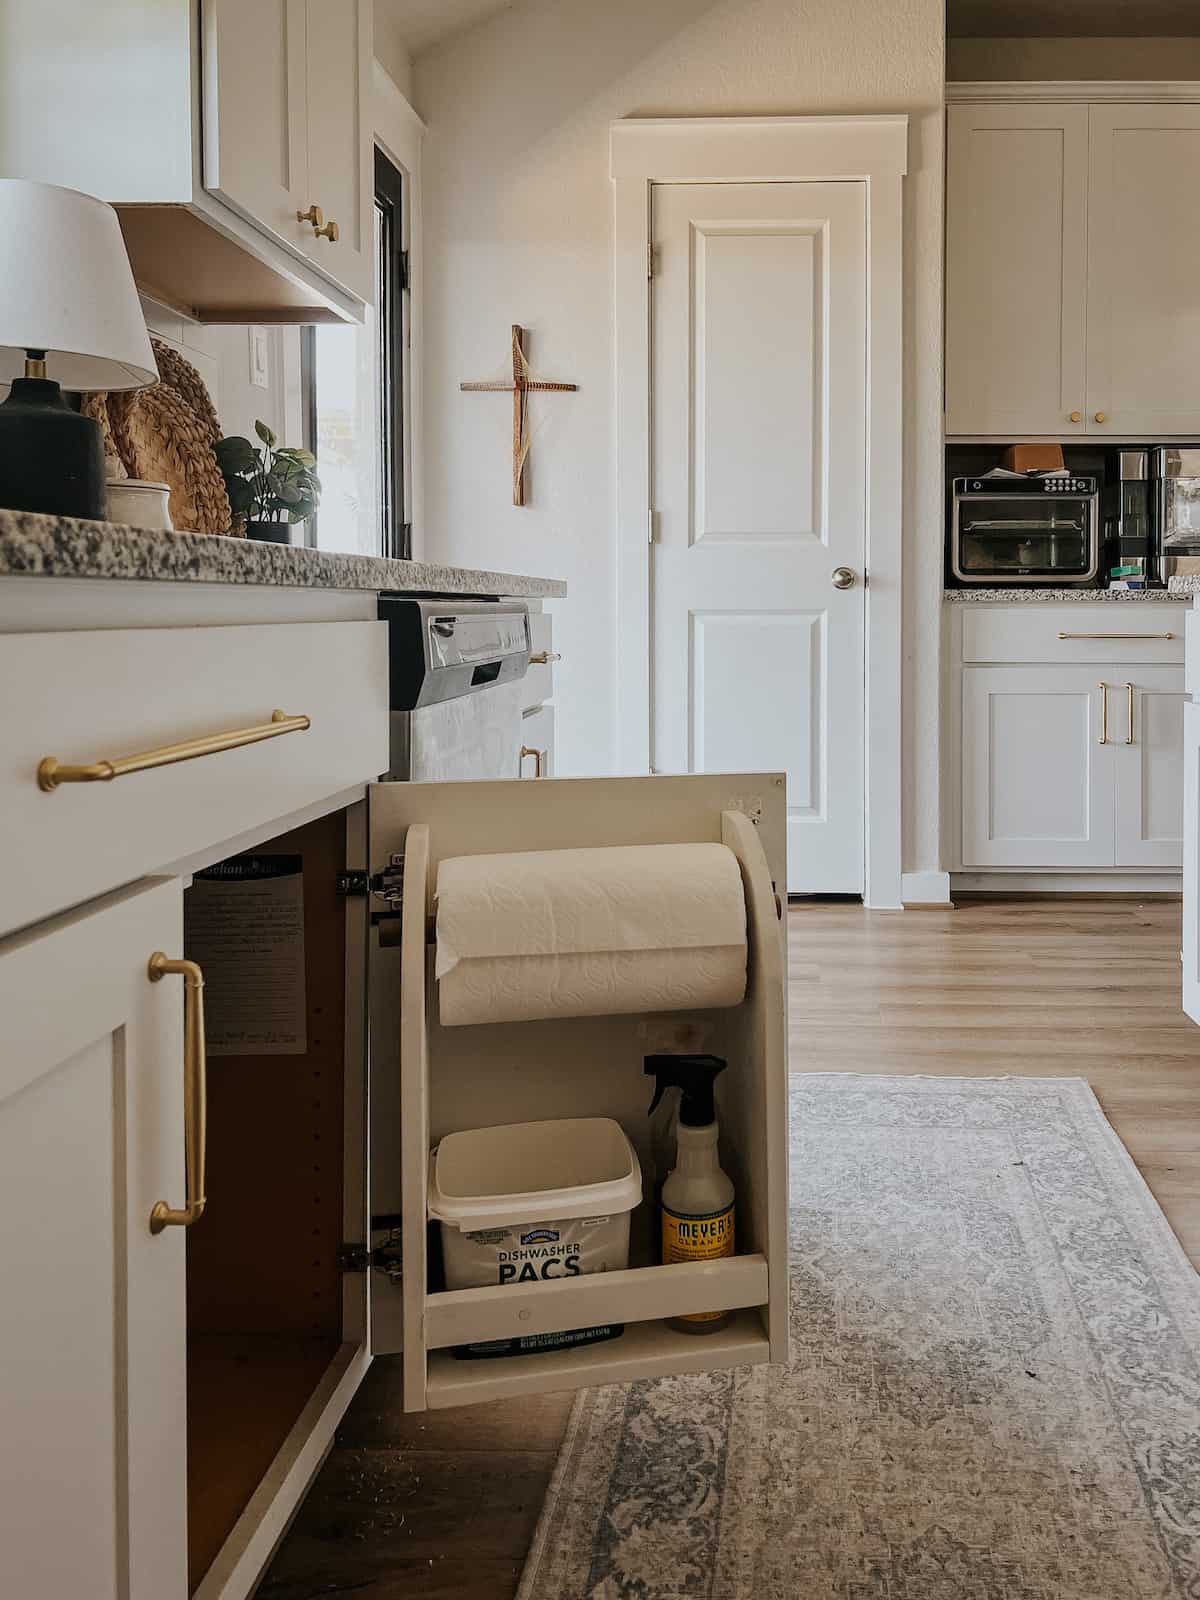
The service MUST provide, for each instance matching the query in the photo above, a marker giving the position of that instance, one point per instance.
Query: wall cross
(521, 387)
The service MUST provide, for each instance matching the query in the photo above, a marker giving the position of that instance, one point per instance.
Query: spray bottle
(697, 1197)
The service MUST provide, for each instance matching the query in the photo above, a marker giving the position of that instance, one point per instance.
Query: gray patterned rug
(994, 1392)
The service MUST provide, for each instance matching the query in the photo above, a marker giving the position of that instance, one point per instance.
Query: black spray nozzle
(695, 1076)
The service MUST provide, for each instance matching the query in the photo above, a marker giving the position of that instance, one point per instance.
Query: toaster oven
(1011, 530)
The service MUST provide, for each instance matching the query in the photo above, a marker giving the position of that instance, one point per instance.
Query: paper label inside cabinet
(244, 924)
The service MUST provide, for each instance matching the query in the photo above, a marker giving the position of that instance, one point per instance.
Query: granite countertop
(34, 545)
(1184, 588)
(1034, 595)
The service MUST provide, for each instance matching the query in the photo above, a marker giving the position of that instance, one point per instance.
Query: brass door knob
(329, 231)
(314, 214)
(1077, 416)
(843, 577)
(1101, 416)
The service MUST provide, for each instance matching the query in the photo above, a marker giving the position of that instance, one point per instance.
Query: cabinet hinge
(387, 1256)
(387, 885)
(351, 884)
(651, 254)
(651, 517)
(405, 275)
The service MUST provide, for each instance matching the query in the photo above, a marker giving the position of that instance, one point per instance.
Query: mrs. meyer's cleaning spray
(697, 1197)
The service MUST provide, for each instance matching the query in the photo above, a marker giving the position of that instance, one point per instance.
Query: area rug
(994, 1391)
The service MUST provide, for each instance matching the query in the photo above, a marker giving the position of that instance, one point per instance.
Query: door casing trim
(874, 151)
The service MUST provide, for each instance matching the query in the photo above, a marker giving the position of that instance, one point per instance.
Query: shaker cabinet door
(254, 104)
(92, 1479)
(1149, 764)
(1143, 243)
(341, 178)
(1016, 229)
(1037, 767)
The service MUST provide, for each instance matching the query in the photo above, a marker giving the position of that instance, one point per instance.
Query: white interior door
(759, 475)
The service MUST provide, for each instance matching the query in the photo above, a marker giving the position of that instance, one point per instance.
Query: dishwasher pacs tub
(532, 1203)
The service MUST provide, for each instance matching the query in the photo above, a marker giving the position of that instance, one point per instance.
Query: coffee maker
(1127, 508)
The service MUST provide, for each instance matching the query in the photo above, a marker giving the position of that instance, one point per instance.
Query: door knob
(843, 577)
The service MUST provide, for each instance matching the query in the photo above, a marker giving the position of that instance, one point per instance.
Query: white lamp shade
(66, 287)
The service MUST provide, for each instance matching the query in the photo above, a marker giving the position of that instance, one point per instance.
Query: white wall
(518, 228)
(390, 49)
(1051, 60)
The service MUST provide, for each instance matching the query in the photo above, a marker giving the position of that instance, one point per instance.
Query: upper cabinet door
(1015, 269)
(255, 118)
(340, 169)
(1143, 294)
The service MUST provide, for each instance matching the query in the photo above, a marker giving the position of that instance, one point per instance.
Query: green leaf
(265, 434)
(236, 456)
(304, 458)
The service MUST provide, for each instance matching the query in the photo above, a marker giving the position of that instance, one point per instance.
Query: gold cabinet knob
(329, 231)
(1101, 416)
(314, 214)
(1077, 416)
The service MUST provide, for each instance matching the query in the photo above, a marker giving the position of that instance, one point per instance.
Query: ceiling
(1072, 19)
(424, 23)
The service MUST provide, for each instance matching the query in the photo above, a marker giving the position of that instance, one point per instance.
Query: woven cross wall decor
(521, 386)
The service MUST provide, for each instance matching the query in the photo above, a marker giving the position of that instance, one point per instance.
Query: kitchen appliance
(1008, 530)
(1127, 505)
(454, 687)
(1175, 470)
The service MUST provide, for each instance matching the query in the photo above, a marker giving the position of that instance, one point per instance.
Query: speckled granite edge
(1035, 596)
(1184, 588)
(33, 545)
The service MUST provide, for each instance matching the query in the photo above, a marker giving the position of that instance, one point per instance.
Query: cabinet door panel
(1149, 768)
(1015, 264)
(1037, 782)
(92, 1312)
(1143, 243)
(340, 176)
(255, 126)
(1191, 861)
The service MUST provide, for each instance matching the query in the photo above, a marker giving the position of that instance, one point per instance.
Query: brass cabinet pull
(543, 658)
(1077, 416)
(321, 229)
(1129, 707)
(330, 231)
(1103, 739)
(539, 759)
(1101, 416)
(195, 1093)
(1116, 636)
(51, 772)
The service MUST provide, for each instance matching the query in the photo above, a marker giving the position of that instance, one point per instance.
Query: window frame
(392, 315)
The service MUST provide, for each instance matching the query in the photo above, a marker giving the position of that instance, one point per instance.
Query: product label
(706, 1238)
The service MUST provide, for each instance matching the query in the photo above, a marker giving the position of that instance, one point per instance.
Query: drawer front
(538, 682)
(1077, 632)
(92, 697)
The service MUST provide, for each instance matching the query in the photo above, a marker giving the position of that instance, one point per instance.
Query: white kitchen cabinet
(1038, 784)
(1148, 760)
(537, 743)
(93, 1497)
(207, 127)
(1191, 860)
(1067, 279)
(284, 125)
(1016, 220)
(1143, 242)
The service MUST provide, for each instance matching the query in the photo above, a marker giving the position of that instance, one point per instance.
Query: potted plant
(270, 488)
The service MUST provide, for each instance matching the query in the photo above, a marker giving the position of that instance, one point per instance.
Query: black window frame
(392, 274)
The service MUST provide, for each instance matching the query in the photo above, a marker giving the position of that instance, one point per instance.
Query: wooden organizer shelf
(490, 1074)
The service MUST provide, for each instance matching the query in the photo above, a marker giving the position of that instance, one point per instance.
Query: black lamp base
(51, 456)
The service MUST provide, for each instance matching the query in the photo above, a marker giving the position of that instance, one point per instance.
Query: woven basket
(166, 433)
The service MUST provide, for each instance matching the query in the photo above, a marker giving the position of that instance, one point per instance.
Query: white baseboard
(1165, 882)
(925, 888)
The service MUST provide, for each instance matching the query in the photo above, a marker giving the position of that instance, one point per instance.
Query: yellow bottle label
(706, 1238)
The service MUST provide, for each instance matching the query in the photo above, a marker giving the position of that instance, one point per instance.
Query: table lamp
(69, 319)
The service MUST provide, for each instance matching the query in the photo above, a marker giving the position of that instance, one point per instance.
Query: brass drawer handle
(539, 759)
(1103, 739)
(195, 1093)
(51, 772)
(1116, 636)
(543, 658)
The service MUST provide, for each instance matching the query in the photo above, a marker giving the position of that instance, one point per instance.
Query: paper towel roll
(581, 933)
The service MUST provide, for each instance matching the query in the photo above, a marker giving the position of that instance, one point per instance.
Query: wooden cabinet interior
(264, 1291)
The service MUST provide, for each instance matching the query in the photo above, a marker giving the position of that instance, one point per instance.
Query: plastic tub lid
(534, 1172)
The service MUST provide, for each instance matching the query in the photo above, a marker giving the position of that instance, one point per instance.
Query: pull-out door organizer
(428, 1081)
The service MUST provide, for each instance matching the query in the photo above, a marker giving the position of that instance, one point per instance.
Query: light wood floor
(443, 1506)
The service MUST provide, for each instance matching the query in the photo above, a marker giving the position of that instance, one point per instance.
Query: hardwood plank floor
(443, 1505)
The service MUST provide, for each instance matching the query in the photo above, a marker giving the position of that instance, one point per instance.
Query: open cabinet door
(427, 1081)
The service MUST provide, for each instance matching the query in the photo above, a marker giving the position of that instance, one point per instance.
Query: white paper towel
(579, 933)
